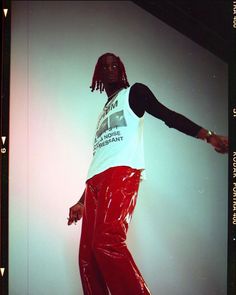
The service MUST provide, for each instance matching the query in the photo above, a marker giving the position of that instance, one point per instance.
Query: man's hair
(97, 83)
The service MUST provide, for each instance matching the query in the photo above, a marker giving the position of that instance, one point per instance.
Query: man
(113, 179)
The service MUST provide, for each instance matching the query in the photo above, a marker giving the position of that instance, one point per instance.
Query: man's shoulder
(138, 85)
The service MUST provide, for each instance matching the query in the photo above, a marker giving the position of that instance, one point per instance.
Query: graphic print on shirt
(105, 133)
(118, 139)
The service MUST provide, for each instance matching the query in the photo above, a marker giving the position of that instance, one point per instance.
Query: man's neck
(112, 90)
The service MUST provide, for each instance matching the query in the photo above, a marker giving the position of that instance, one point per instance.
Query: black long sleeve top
(141, 100)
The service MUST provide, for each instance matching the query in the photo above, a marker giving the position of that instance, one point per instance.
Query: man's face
(110, 70)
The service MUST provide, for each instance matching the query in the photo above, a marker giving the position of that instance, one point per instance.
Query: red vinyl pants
(104, 260)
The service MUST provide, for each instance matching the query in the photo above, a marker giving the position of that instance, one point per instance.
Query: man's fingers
(72, 220)
(74, 215)
(69, 221)
(220, 150)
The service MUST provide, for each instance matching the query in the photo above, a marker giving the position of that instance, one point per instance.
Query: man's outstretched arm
(141, 100)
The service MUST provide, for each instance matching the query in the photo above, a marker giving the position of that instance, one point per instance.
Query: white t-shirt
(119, 137)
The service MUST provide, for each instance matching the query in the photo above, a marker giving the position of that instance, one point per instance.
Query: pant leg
(91, 276)
(117, 193)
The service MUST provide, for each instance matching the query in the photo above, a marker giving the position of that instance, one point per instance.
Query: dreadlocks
(97, 83)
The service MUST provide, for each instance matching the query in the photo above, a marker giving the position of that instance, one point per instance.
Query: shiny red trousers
(104, 260)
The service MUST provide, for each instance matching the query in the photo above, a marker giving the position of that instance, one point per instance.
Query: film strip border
(232, 160)
(4, 160)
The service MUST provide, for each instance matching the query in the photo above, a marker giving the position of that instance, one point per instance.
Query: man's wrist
(208, 136)
(79, 202)
(205, 134)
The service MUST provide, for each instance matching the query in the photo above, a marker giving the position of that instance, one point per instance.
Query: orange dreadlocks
(96, 81)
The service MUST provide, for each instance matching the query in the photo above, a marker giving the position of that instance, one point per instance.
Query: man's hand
(220, 143)
(75, 213)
